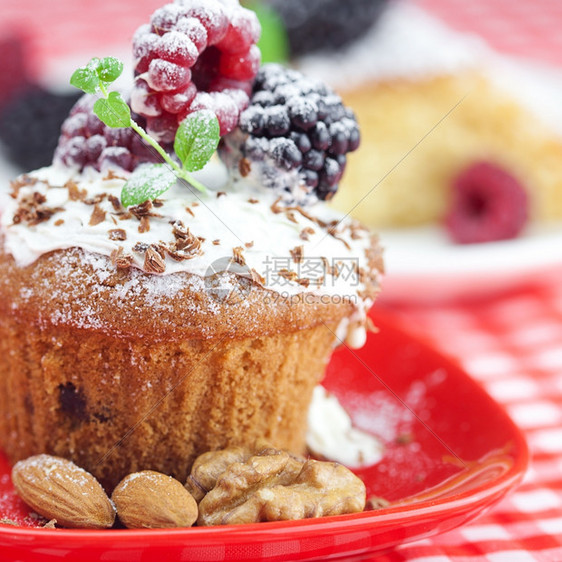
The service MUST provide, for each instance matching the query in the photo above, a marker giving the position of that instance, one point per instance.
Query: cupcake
(139, 335)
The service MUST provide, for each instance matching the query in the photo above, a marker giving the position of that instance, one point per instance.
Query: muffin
(140, 337)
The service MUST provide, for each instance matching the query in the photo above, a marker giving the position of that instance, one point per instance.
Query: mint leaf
(274, 41)
(147, 182)
(109, 69)
(86, 78)
(197, 139)
(113, 111)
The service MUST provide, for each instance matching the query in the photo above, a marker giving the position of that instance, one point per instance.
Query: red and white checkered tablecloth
(513, 346)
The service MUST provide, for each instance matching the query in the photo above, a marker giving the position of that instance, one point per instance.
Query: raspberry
(193, 54)
(326, 24)
(297, 132)
(86, 141)
(30, 126)
(488, 204)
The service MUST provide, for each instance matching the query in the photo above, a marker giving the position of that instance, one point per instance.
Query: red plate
(451, 452)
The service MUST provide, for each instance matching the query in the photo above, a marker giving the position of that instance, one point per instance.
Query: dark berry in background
(314, 25)
(30, 126)
(13, 68)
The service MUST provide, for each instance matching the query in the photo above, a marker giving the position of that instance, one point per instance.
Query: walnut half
(274, 486)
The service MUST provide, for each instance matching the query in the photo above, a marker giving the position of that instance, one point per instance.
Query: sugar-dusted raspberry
(488, 204)
(85, 141)
(295, 133)
(191, 54)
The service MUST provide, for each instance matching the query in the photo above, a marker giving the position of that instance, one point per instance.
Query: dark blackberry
(325, 24)
(30, 126)
(86, 141)
(298, 133)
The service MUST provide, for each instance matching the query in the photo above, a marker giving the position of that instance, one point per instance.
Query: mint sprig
(196, 139)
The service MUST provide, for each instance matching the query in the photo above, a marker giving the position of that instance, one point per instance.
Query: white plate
(423, 265)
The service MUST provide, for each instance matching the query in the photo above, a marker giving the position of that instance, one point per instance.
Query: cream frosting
(284, 248)
(332, 435)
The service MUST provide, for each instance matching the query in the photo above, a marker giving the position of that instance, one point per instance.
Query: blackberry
(296, 132)
(30, 126)
(194, 54)
(86, 141)
(326, 24)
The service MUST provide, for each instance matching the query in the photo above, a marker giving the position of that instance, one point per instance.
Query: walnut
(209, 466)
(274, 485)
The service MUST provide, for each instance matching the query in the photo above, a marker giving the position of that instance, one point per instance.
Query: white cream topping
(331, 433)
(239, 220)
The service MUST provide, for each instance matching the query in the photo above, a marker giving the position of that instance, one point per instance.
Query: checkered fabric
(513, 346)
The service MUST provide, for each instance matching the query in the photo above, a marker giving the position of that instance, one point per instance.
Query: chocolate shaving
(257, 277)
(59, 222)
(117, 234)
(303, 282)
(144, 225)
(144, 210)
(186, 246)
(98, 216)
(121, 260)
(291, 216)
(74, 193)
(306, 233)
(158, 203)
(253, 201)
(249, 245)
(244, 167)
(95, 199)
(20, 182)
(216, 242)
(276, 208)
(116, 203)
(238, 253)
(289, 275)
(140, 247)
(33, 211)
(195, 204)
(153, 260)
(220, 194)
(190, 212)
(297, 253)
(111, 175)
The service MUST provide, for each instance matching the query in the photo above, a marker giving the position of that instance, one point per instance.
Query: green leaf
(113, 111)
(147, 182)
(109, 69)
(86, 78)
(197, 139)
(274, 41)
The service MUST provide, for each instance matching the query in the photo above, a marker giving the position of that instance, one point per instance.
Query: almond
(152, 500)
(58, 489)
